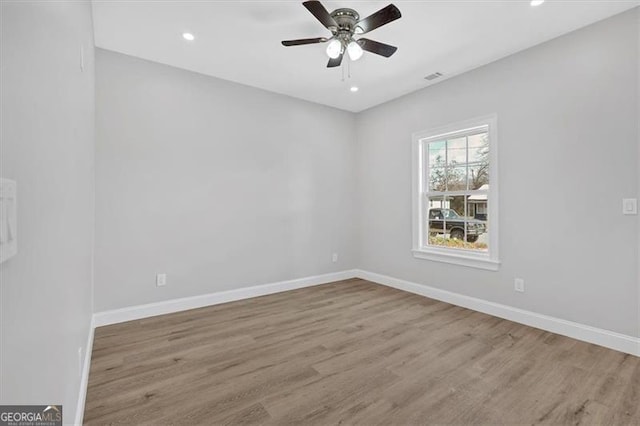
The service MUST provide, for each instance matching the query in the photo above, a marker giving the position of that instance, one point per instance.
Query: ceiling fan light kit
(344, 25)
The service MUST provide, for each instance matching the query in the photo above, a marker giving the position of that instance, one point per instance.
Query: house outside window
(455, 193)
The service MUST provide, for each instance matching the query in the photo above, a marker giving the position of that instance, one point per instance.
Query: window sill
(461, 259)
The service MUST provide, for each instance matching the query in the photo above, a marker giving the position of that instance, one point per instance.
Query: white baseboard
(598, 336)
(176, 305)
(84, 379)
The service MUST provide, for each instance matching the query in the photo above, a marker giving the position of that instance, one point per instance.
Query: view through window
(456, 179)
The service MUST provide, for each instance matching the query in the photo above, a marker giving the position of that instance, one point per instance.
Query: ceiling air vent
(433, 76)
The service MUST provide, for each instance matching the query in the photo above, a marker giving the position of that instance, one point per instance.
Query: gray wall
(568, 135)
(46, 145)
(638, 122)
(218, 185)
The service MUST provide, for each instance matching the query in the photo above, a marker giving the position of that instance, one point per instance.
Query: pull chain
(348, 61)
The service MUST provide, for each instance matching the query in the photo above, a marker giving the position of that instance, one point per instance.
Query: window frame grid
(422, 193)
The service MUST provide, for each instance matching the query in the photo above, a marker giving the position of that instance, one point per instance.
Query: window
(455, 194)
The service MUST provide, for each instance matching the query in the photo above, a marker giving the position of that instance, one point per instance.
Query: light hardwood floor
(352, 352)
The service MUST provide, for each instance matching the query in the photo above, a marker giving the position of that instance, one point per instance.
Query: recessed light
(536, 2)
(354, 88)
(188, 36)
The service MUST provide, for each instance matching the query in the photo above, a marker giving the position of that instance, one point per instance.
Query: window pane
(437, 179)
(437, 154)
(479, 148)
(456, 207)
(435, 218)
(478, 161)
(477, 229)
(457, 151)
(446, 221)
(436, 206)
(456, 178)
(477, 206)
(479, 176)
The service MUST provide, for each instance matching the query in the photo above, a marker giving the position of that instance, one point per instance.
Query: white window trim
(489, 261)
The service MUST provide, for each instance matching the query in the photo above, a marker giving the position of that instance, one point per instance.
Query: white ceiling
(240, 41)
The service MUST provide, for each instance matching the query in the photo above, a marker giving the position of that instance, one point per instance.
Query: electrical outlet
(518, 285)
(334, 258)
(161, 280)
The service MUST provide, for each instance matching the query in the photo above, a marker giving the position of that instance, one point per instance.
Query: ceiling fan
(344, 25)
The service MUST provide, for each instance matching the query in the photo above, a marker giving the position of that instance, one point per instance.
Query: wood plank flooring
(352, 352)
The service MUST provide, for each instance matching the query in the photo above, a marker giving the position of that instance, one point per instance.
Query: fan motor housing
(346, 19)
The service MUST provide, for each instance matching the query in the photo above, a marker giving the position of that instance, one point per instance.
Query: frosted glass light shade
(355, 51)
(334, 48)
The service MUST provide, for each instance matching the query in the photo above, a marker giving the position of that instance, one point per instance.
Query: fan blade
(377, 47)
(378, 19)
(335, 62)
(317, 9)
(304, 41)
